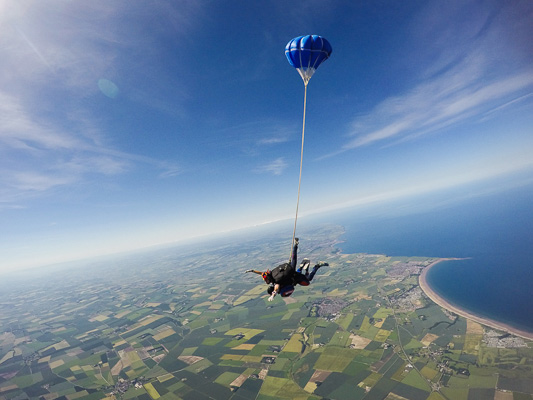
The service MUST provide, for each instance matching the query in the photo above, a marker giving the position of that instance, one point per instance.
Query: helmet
(267, 276)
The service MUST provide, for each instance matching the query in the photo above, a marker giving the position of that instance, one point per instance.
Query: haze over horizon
(125, 125)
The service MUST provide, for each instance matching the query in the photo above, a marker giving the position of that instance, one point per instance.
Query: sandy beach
(443, 303)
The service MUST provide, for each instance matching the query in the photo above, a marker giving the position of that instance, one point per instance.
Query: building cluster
(408, 301)
(494, 339)
(329, 308)
(403, 270)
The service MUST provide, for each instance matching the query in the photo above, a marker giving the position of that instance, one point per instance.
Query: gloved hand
(271, 298)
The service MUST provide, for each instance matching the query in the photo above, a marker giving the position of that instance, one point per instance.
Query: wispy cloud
(273, 140)
(39, 154)
(53, 56)
(435, 105)
(253, 137)
(275, 167)
(474, 72)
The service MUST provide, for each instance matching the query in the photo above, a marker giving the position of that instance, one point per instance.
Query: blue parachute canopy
(306, 53)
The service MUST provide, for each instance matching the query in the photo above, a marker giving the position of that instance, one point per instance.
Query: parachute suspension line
(300, 177)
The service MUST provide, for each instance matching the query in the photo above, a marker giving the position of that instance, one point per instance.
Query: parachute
(305, 53)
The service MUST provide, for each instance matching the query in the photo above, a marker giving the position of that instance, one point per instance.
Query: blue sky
(129, 124)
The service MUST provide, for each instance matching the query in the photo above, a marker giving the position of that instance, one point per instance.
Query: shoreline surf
(442, 302)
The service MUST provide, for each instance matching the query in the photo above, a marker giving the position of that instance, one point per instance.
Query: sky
(126, 124)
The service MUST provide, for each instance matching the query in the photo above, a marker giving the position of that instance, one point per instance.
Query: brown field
(319, 376)
(473, 327)
(503, 395)
(239, 381)
(117, 368)
(190, 359)
(359, 342)
(430, 337)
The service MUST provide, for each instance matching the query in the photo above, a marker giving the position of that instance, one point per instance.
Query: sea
(491, 228)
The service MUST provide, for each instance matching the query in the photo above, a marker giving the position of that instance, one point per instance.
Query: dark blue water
(495, 230)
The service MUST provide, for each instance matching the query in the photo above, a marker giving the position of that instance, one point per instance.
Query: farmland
(187, 323)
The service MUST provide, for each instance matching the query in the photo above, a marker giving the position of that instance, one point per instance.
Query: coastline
(422, 281)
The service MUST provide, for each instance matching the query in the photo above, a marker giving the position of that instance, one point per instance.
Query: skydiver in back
(284, 277)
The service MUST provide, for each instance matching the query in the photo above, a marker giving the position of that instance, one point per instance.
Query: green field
(176, 325)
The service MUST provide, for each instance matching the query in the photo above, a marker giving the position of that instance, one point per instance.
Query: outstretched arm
(254, 271)
(274, 292)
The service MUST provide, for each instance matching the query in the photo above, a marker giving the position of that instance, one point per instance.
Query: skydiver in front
(284, 277)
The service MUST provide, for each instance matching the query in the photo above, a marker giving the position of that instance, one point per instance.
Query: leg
(301, 279)
(315, 268)
(313, 272)
(294, 255)
(304, 267)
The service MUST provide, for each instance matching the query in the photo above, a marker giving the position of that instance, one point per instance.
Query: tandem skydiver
(284, 277)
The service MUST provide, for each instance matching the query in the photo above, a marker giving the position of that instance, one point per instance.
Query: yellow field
(242, 300)
(365, 325)
(259, 289)
(56, 363)
(345, 321)
(119, 343)
(164, 334)
(400, 373)
(204, 304)
(41, 360)
(294, 345)
(151, 391)
(188, 351)
(7, 356)
(122, 314)
(234, 357)
(310, 387)
(58, 346)
(370, 380)
(149, 320)
(383, 313)
(471, 345)
(289, 313)
(244, 346)
(250, 294)
(382, 335)
(337, 292)
(379, 324)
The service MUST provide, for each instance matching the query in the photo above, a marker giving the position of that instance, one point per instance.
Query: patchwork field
(188, 324)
